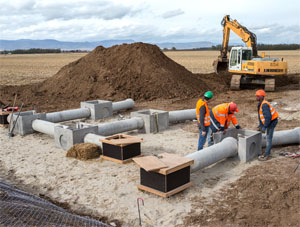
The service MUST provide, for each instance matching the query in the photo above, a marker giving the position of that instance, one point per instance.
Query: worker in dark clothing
(268, 119)
(203, 119)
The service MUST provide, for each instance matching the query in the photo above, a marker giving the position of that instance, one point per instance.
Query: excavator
(244, 63)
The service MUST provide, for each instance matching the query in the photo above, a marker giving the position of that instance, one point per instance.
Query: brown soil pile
(84, 151)
(139, 71)
(267, 195)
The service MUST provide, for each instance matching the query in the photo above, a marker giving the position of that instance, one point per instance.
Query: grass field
(32, 68)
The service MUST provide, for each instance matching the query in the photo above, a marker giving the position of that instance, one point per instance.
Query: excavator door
(235, 59)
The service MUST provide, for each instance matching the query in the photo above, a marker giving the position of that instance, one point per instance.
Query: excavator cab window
(233, 58)
(246, 55)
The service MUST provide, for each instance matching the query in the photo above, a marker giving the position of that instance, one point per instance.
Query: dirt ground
(228, 193)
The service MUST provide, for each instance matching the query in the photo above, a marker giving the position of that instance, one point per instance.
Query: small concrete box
(173, 177)
(154, 120)
(24, 123)
(66, 136)
(121, 148)
(99, 108)
(249, 142)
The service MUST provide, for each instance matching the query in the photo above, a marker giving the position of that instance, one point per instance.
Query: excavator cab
(239, 56)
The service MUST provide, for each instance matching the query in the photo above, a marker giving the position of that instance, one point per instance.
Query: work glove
(237, 127)
(263, 129)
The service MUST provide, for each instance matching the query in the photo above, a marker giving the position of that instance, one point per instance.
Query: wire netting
(19, 208)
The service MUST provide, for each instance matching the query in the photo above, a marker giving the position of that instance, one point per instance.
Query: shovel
(10, 133)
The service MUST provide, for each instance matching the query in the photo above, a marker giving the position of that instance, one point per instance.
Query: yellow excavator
(244, 63)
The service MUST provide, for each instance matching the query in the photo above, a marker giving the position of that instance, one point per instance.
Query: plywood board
(121, 140)
(164, 194)
(174, 163)
(116, 160)
(150, 163)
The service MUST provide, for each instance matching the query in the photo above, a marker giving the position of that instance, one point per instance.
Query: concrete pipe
(122, 105)
(68, 115)
(95, 139)
(210, 155)
(112, 128)
(284, 137)
(182, 115)
(44, 127)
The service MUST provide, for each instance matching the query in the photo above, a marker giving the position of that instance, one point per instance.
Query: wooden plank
(149, 163)
(163, 194)
(116, 160)
(121, 140)
(174, 163)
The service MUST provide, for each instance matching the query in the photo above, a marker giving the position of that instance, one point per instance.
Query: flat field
(228, 193)
(32, 68)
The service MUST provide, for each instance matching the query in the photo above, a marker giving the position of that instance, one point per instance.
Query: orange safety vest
(221, 114)
(273, 112)
(200, 103)
(231, 117)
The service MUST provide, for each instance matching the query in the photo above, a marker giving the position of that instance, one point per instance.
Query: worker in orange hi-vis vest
(221, 116)
(268, 119)
(203, 119)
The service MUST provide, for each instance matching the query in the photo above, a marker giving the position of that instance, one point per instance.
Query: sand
(106, 189)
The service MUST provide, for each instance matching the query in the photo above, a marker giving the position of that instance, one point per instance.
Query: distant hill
(55, 44)
(190, 45)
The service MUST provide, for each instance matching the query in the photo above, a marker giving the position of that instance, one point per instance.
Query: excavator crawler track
(235, 82)
(270, 84)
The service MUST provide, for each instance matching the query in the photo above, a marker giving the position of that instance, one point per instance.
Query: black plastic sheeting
(19, 208)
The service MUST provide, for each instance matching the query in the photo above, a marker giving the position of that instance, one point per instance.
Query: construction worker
(221, 116)
(268, 119)
(203, 118)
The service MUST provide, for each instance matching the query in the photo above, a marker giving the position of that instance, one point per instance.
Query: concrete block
(66, 136)
(24, 122)
(249, 142)
(99, 108)
(154, 120)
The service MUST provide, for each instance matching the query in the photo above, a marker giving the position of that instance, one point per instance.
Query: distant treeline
(268, 47)
(39, 51)
(259, 47)
(31, 51)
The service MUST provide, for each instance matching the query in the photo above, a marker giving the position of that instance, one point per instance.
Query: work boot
(263, 158)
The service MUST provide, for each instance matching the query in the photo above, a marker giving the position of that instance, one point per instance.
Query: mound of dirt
(84, 151)
(139, 71)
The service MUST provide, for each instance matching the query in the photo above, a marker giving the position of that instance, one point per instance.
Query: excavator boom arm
(248, 37)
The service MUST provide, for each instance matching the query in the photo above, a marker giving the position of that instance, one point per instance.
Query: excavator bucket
(220, 66)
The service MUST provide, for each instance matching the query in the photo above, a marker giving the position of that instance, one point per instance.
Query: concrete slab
(66, 136)
(154, 120)
(99, 108)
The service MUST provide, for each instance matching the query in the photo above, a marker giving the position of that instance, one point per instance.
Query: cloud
(67, 9)
(172, 13)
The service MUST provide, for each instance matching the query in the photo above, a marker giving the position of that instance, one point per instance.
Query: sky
(152, 21)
